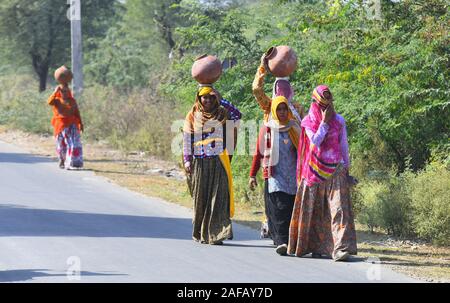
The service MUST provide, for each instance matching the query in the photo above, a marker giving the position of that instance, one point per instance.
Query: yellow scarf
(190, 126)
(197, 116)
(291, 125)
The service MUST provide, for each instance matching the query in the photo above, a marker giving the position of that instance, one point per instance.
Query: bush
(430, 195)
(385, 203)
(367, 200)
(138, 120)
(410, 204)
(22, 107)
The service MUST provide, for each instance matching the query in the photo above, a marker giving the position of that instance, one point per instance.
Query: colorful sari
(280, 186)
(69, 147)
(322, 219)
(211, 185)
(67, 124)
(318, 163)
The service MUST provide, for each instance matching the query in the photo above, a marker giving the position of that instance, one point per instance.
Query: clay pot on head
(63, 75)
(206, 69)
(281, 60)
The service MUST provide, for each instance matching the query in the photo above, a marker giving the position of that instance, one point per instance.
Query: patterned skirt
(322, 219)
(69, 148)
(211, 222)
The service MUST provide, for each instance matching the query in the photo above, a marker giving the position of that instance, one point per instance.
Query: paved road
(55, 223)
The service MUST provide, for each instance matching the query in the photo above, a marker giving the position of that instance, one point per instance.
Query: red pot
(206, 69)
(281, 60)
(63, 75)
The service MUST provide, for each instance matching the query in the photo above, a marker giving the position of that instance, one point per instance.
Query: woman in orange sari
(67, 126)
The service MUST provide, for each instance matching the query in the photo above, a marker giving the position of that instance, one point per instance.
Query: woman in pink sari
(322, 219)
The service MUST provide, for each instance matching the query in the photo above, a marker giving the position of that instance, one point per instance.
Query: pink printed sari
(318, 163)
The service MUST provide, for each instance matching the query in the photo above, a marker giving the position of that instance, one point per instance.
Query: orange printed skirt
(322, 219)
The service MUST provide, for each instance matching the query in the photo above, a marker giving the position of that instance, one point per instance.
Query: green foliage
(121, 61)
(385, 203)
(138, 120)
(388, 77)
(22, 107)
(38, 32)
(137, 46)
(429, 191)
(408, 204)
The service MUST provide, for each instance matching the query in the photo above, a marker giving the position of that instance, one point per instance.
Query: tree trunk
(41, 69)
(41, 64)
(42, 81)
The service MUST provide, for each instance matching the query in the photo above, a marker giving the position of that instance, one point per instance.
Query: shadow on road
(20, 275)
(31, 222)
(23, 158)
(231, 244)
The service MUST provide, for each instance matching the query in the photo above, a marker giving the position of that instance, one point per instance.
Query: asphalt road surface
(72, 226)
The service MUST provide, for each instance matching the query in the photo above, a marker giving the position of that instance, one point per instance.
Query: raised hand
(264, 62)
(328, 113)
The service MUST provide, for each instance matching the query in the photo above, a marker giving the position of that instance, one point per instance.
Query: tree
(40, 30)
(155, 17)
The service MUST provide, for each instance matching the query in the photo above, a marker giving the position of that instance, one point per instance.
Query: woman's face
(208, 102)
(282, 112)
(327, 100)
(327, 95)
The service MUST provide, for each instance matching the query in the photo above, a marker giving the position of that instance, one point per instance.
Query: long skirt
(279, 211)
(322, 219)
(211, 222)
(69, 148)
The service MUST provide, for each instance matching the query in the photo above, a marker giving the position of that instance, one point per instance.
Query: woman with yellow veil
(207, 163)
(276, 152)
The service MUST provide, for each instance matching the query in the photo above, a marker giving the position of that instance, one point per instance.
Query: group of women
(304, 159)
(305, 163)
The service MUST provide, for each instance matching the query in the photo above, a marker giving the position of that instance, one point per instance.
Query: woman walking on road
(281, 87)
(207, 162)
(322, 220)
(67, 126)
(276, 151)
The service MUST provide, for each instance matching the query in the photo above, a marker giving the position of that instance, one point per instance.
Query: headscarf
(318, 163)
(195, 122)
(204, 90)
(197, 116)
(291, 125)
(322, 95)
(282, 87)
